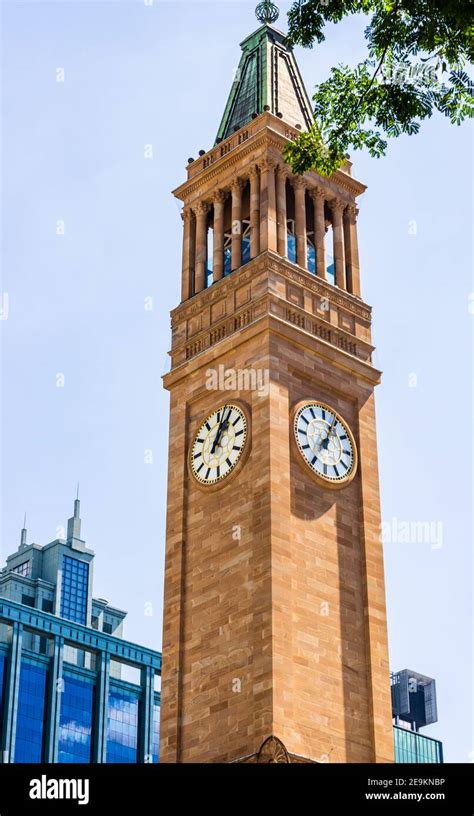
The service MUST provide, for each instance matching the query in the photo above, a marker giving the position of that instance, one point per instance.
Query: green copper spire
(267, 79)
(267, 12)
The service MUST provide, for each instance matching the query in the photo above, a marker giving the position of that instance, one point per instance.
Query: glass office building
(71, 688)
(410, 746)
(413, 707)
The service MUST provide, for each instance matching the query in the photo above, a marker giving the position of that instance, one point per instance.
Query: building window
(75, 721)
(46, 605)
(95, 622)
(28, 600)
(156, 732)
(107, 628)
(30, 717)
(23, 569)
(122, 726)
(74, 590)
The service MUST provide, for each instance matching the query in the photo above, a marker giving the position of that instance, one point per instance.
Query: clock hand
(223, 425)
(214, 444)
(326, 441)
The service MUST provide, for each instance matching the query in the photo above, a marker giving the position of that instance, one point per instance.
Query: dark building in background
(63, 660)
(413, 707)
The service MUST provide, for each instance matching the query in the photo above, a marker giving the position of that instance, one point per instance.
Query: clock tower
(274, 637)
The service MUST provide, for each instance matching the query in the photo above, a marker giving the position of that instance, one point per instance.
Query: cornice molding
(267, 137)
(272, 261)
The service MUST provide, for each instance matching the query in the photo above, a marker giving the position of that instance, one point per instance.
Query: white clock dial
(325, 442)
(219, 444)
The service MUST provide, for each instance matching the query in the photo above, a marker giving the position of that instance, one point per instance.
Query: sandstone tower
(274, 643)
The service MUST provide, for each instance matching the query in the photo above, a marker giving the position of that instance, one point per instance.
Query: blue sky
(74, 152)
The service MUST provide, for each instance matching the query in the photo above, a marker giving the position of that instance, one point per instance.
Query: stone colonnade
(268, 228)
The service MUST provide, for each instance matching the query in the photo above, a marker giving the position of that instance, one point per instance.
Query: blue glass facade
(30, 717)
(122, 725)
(64, 700)
(2, 682)
(74, 590)
(76, 720)
(411, 746)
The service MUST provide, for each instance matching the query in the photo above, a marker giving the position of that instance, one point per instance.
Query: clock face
(325, 443)
(219, 444)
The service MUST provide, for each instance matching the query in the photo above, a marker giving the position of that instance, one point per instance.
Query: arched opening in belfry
(328, 246)
(245, 226)
(310, 236)
(209, 247)
(290, 222)
(228, 236)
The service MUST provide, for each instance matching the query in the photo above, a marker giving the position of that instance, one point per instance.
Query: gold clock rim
(225, 480)
(319, 479)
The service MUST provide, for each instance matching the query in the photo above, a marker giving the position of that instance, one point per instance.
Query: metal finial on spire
(267, 12)
(77, 494)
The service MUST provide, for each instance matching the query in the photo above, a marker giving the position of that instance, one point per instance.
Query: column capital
(268, 163)
(237, 185)
(317, 193)
(352, 212)
(338, 205)
(201, 208)
(298, 182)
(253, 172)
(220, 196)
(283, 171)
(186, 213)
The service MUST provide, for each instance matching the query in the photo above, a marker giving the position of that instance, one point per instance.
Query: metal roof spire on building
(74, 523)
(267, 80)
(24, 531)
(77, 504)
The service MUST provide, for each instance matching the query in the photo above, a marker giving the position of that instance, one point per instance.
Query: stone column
(268, 218)
(188, 254)
(319, 197)
(201, 210)
(236, 187)
(352, 249)
(282, 237)
(337, 207)
(299, 185)
(218, 255)
(254, 212)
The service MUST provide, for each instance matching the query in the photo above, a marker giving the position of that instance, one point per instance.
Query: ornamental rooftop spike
(267, 12)
(267, 79)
